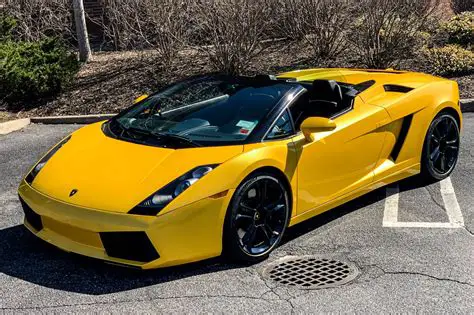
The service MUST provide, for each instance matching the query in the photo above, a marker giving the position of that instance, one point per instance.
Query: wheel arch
(428, 172)
(272, 170)
(421, 122)
(280, 175)
(451, 110)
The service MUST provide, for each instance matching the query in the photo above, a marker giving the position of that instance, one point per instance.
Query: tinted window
(282, 127)
(206, 110)
(299, 110)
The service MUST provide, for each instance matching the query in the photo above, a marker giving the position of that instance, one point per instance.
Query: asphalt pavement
(411, 262)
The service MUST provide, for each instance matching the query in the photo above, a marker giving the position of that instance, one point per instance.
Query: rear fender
(438, 97)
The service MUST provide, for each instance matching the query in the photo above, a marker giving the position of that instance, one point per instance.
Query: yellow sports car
(224, 164)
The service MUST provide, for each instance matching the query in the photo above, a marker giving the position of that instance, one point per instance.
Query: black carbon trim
(134, 246)
(396, 88)
(31, 217)
(406, 124)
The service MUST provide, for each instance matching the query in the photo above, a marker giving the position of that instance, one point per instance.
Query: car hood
(115, 175)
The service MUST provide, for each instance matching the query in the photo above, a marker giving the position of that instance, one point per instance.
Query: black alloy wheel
(441, 147)
(257, 218)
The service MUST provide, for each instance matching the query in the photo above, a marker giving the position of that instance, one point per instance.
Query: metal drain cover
(311, 272)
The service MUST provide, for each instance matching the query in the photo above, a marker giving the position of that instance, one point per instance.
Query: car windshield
(207, 110)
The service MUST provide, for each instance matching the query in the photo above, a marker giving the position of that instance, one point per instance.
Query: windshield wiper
(135, 130)
(174, 137)
(158, 135)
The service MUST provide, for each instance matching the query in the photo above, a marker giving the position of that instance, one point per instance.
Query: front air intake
(134, 246)
(31, 217)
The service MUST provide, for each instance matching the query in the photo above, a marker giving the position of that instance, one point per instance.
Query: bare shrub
(459, 6)
(37, 19)
(323, 24)
(234, 31)
(138, 24)
(389, 30)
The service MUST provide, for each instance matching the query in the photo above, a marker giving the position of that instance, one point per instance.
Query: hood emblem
(73, 192)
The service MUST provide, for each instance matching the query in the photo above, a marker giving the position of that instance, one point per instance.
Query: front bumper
(187, 234)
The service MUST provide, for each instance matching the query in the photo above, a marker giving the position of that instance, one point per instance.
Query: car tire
(440, 148)
(256, 218)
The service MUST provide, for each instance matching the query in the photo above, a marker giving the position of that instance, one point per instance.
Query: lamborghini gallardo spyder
(220, 164)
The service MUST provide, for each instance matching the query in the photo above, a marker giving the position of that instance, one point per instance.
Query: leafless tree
(159, 24)
(323, 24)
(39, 18)
(388, 30)
(234, 31)
(81, 31)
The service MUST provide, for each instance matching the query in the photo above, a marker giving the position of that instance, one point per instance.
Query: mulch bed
(112, 80)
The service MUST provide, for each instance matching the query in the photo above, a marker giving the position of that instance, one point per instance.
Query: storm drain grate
(311, 272)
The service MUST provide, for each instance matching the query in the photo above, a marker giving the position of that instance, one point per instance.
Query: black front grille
(31, 217)
(129, 245)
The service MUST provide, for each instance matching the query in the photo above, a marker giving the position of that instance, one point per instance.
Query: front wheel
(441, 147)
(257, 218)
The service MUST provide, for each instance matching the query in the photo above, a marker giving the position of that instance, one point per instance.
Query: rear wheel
(441, 147)
(257, 218)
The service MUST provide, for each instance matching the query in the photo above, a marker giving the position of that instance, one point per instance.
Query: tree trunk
(81, 30)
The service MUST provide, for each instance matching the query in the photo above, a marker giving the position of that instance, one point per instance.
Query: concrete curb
(76, 119)
(467, 105)
(13, 125)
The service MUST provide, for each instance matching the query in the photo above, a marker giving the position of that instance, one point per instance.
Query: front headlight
(153, 204)
(39, 166)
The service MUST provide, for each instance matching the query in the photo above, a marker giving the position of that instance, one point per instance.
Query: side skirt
(391, 178)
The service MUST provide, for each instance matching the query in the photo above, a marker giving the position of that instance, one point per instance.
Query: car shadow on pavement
(349, 207)
(25, 257)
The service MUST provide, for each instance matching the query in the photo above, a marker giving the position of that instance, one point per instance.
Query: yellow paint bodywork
(113, 176)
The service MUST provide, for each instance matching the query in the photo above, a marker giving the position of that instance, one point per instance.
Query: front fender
(279, 155)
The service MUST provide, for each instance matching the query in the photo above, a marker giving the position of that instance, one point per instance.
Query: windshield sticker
(244, 131)
(245, 124)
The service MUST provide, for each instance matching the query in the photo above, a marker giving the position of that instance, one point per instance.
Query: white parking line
(456, 220)
(451, 202)
(390, 215)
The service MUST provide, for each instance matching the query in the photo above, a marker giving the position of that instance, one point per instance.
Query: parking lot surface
(413, 245)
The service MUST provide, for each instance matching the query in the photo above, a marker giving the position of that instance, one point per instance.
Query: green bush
(449, 60)
(7, 24)
(31, 71)
(460, 29)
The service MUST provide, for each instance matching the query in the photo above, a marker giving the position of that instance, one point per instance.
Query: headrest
(326, 90)
(264, 77)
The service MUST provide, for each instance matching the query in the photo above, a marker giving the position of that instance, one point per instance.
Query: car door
(342, 160)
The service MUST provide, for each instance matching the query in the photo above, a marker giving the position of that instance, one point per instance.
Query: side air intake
(396, 88)
(406, 124)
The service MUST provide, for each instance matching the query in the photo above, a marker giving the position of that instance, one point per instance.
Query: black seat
(325, 98)
(326, 90)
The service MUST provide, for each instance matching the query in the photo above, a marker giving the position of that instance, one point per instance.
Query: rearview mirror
(316, 124)
(140, 98)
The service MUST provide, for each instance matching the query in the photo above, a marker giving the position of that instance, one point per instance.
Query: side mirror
(140, 98)
(316, 124)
